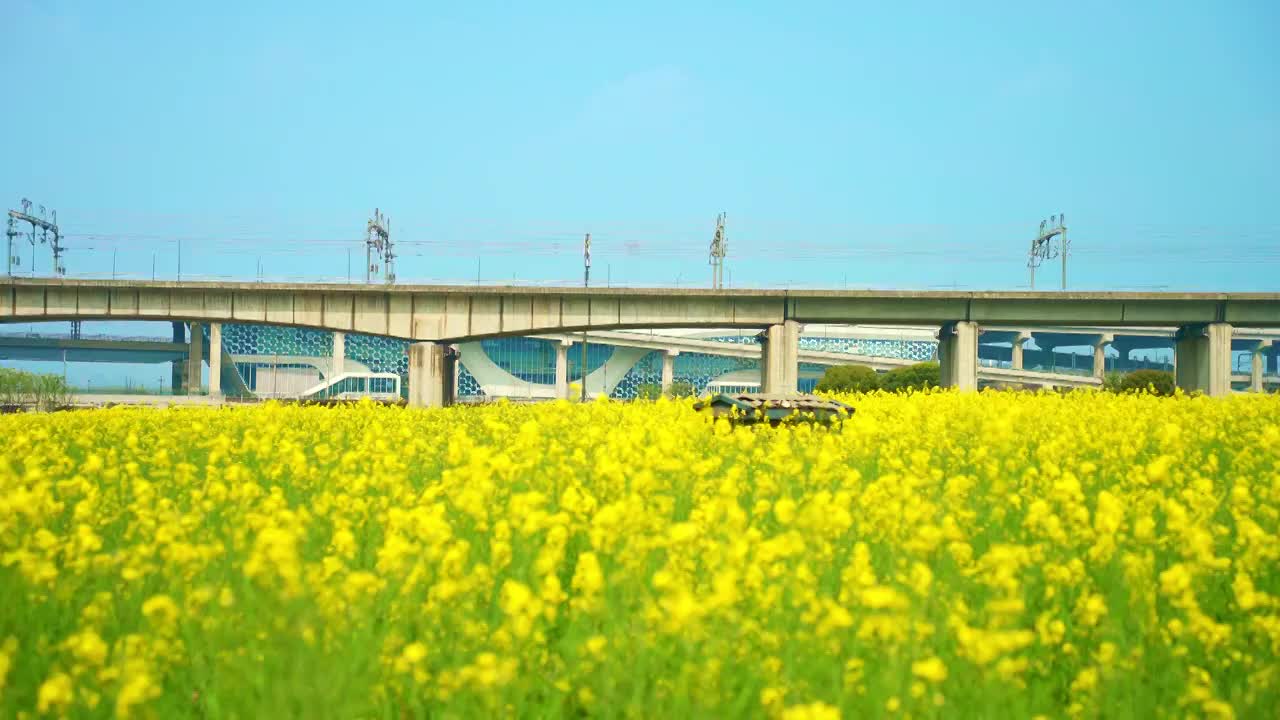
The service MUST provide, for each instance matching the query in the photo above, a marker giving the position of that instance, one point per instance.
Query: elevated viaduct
(435, 317)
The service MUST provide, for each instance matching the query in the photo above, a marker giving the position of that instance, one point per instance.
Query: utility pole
(1042, 247)
(378, 240)
(586, 283)
(719, 246)
(49, 234)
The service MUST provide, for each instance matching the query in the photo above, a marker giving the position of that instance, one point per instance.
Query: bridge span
(437, 316)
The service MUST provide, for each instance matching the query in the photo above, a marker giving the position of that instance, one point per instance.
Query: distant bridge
(440, 315)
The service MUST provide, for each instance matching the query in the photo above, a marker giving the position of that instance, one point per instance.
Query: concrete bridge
(440, 315)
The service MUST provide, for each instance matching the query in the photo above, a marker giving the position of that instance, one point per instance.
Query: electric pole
(719, 246)
(49, 234)
(586, 283)
(1043, 248)
(378, 241)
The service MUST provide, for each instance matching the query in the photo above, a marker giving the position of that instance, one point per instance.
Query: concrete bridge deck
(439, 315)
(449, 313)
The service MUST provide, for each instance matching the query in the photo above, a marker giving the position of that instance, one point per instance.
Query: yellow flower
(931, 669)
(55, 694)
(812, 711)
(88, 648)
(138, 689)
(161, 610)
(8, 649)
(596, 645)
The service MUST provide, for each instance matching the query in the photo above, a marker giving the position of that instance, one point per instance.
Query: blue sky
(907, 145)
(912, 146)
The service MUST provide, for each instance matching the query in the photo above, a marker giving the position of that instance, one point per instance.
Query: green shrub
(680, 388)
(648, 391)
(18, 388)
(913, 377)
(652, 391)
(848, 378)
(1113, 381)
(1157, 382)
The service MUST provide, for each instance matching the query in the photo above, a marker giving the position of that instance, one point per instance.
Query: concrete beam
(958, 355)
(432, 375)
(1202, 358)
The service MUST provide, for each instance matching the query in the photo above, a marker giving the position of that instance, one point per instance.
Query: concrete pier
(958, 355)
(1202, 358)
(668, 370)
(1258, 365)
(1016, 349)
(562, 370)
(178, 368)
(195, 360)
(780, 358)
(432, 374)
(215, 360)
(339, 353)
(1100, 355)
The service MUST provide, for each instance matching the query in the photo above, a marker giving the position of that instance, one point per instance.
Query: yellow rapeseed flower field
(938, 555)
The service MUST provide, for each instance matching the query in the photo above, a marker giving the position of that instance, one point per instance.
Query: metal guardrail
(84, 336)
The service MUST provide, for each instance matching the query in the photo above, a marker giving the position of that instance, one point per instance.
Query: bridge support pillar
(195, 359)
(1258, 366)
(958, 355)
(780, 358)
(178, 368)
(339, 353)
(1202, 358)
(668, 370)
(562, 369)
(1100, 355)
(1015, 357)
(432, 374)
(215, 360)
